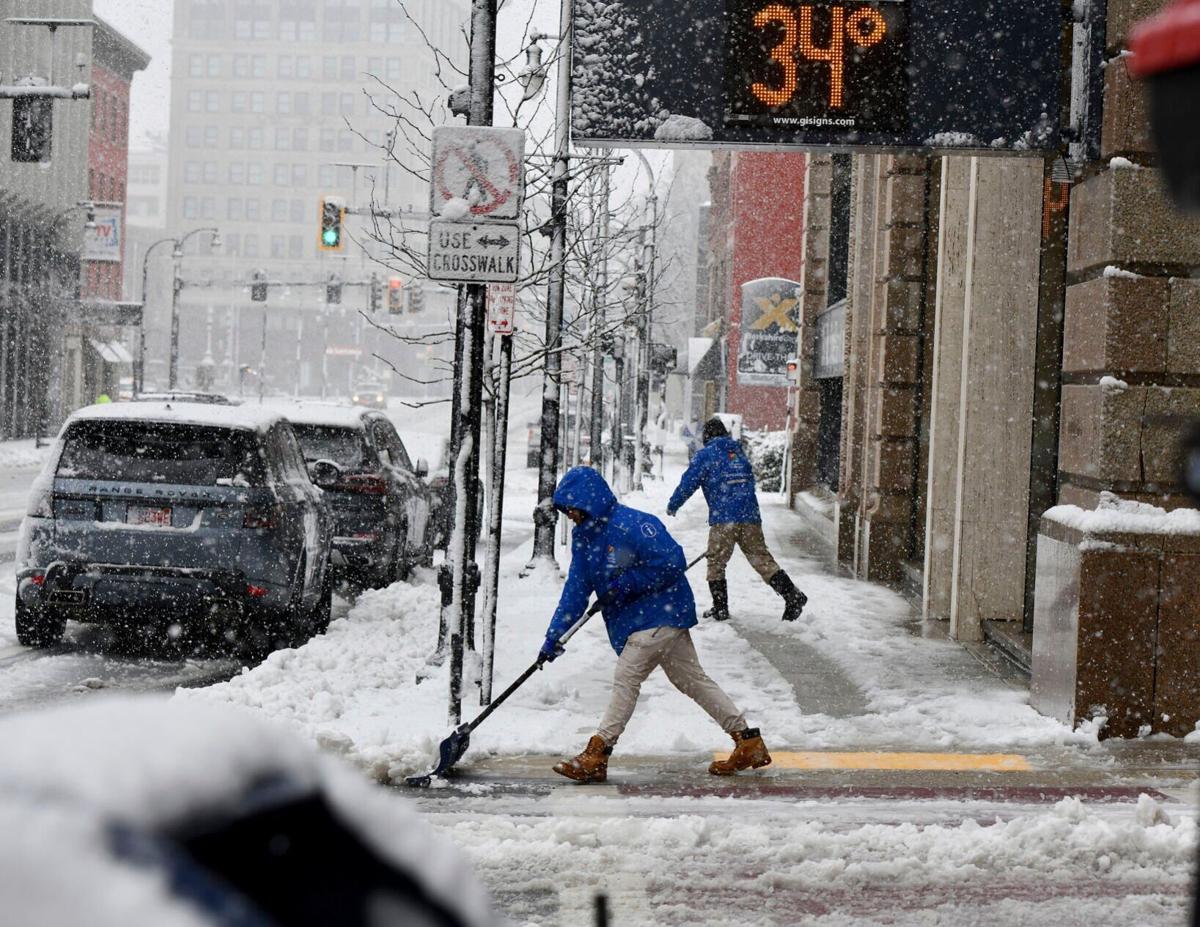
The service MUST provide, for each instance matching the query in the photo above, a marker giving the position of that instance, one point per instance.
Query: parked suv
(379, 498)
(203, 514)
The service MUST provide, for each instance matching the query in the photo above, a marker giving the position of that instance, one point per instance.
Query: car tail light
(366, 484)
(366, 536)
(260, 516)
(38, 579)
(256, 592)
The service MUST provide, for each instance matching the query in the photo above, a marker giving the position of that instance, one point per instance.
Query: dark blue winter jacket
(624, 556)
(723, 472)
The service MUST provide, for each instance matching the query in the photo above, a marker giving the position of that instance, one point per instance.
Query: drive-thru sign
(480, 165)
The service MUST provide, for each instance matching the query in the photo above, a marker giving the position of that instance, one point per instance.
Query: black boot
(793, 598)
(720, 597)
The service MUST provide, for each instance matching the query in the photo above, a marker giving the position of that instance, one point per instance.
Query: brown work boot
(591, 765)
(749, 752)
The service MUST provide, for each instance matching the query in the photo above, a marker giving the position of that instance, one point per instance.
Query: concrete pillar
(982, 404)
(814, 283)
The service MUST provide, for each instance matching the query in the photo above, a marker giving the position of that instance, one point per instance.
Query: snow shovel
(454, 746)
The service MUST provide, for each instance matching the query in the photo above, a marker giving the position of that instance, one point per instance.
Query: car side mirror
(325, 474)
(422, 468)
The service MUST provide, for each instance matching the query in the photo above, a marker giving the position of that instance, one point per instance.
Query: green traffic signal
(330, 237)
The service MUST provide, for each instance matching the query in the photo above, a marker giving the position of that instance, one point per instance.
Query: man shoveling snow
(637, 571)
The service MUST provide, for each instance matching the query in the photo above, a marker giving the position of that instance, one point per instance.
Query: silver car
(201, 515)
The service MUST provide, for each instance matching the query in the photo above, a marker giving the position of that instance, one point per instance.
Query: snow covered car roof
(248, 417)
(124, 810)
(327, 413)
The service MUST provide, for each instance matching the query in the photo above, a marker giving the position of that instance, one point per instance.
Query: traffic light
(395, 295)
(333, 290)
(376, 291)
(416, 296)
(332, 214)
(258, 287)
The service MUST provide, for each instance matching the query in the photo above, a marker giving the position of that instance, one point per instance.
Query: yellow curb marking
(945, 762)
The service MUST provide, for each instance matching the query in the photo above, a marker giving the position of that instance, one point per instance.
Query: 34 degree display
(813, 64)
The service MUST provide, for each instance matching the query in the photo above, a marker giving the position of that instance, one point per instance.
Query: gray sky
(148, 23)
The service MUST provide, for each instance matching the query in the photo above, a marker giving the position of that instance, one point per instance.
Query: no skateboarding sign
(480, 165)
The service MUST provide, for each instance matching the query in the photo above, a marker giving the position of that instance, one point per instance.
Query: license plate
(148, 515)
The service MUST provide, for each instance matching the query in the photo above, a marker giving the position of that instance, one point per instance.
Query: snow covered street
(912, 784)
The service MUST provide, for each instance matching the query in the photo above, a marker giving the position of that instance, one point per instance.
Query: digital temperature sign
(926, 75)
(808, 64)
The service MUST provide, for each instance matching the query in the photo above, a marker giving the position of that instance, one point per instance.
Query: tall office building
(274, 105)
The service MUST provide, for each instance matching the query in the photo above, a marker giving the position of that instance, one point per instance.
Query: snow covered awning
(698, 349)
(111, 352)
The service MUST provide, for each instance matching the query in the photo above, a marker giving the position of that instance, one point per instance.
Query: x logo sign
(775, 311)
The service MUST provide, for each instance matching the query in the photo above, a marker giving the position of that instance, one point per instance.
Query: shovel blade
(449, 753)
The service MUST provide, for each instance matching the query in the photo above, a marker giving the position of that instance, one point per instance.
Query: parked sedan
(201, 515)
(379, 498)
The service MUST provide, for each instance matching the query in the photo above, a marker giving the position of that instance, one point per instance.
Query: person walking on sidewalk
(722, 470)
(637, 571)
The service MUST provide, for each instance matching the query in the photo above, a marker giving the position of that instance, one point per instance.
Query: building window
(214, 65)
(239, 101)
(283, 139)
(295, 247)
(299, 175)
(241, 65)
(279, 210)
(191, 207)
(300, 140)
(253, 212)
(258, 102)
(348, 70)
(346, 104)
(345, 140)
(237, 138)
(259, 65)
(191, 172)
(284, 68)
(375, 67)
(194, 136)
(329, 102)
(211, 137)
(303, 68)
(283, 175)
(278, 246)
(328, 141)
(237, 173)
(254, 138)
(329, 68)
(250, 242)
(283, 103)
(210, 171)
(300, 104)
(296, 214)
(195, 65)
(195, 101)
(232, 244)
(233, 209)
(212, 102)
(208, 207)
(395, 68)
(326, 175)
(254, 174)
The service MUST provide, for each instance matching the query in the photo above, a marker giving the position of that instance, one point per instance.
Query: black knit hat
(714, 428)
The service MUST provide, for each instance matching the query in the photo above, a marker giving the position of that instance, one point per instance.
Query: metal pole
(495, 516)
(262, 359)
(598, 325)
(644, 323)
(462, 545)
(544, 516)
(176, 286)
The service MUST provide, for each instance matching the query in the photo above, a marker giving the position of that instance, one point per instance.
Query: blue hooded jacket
(624, 556)
(722, 470)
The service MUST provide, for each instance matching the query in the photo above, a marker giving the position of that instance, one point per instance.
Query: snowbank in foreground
(780, 859)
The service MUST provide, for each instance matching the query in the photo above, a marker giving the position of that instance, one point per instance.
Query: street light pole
(544, 515)
(645, 317)
(176, 286)
(141, 366)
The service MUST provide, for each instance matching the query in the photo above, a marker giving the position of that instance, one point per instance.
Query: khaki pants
(721, 541)
(673, 650)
